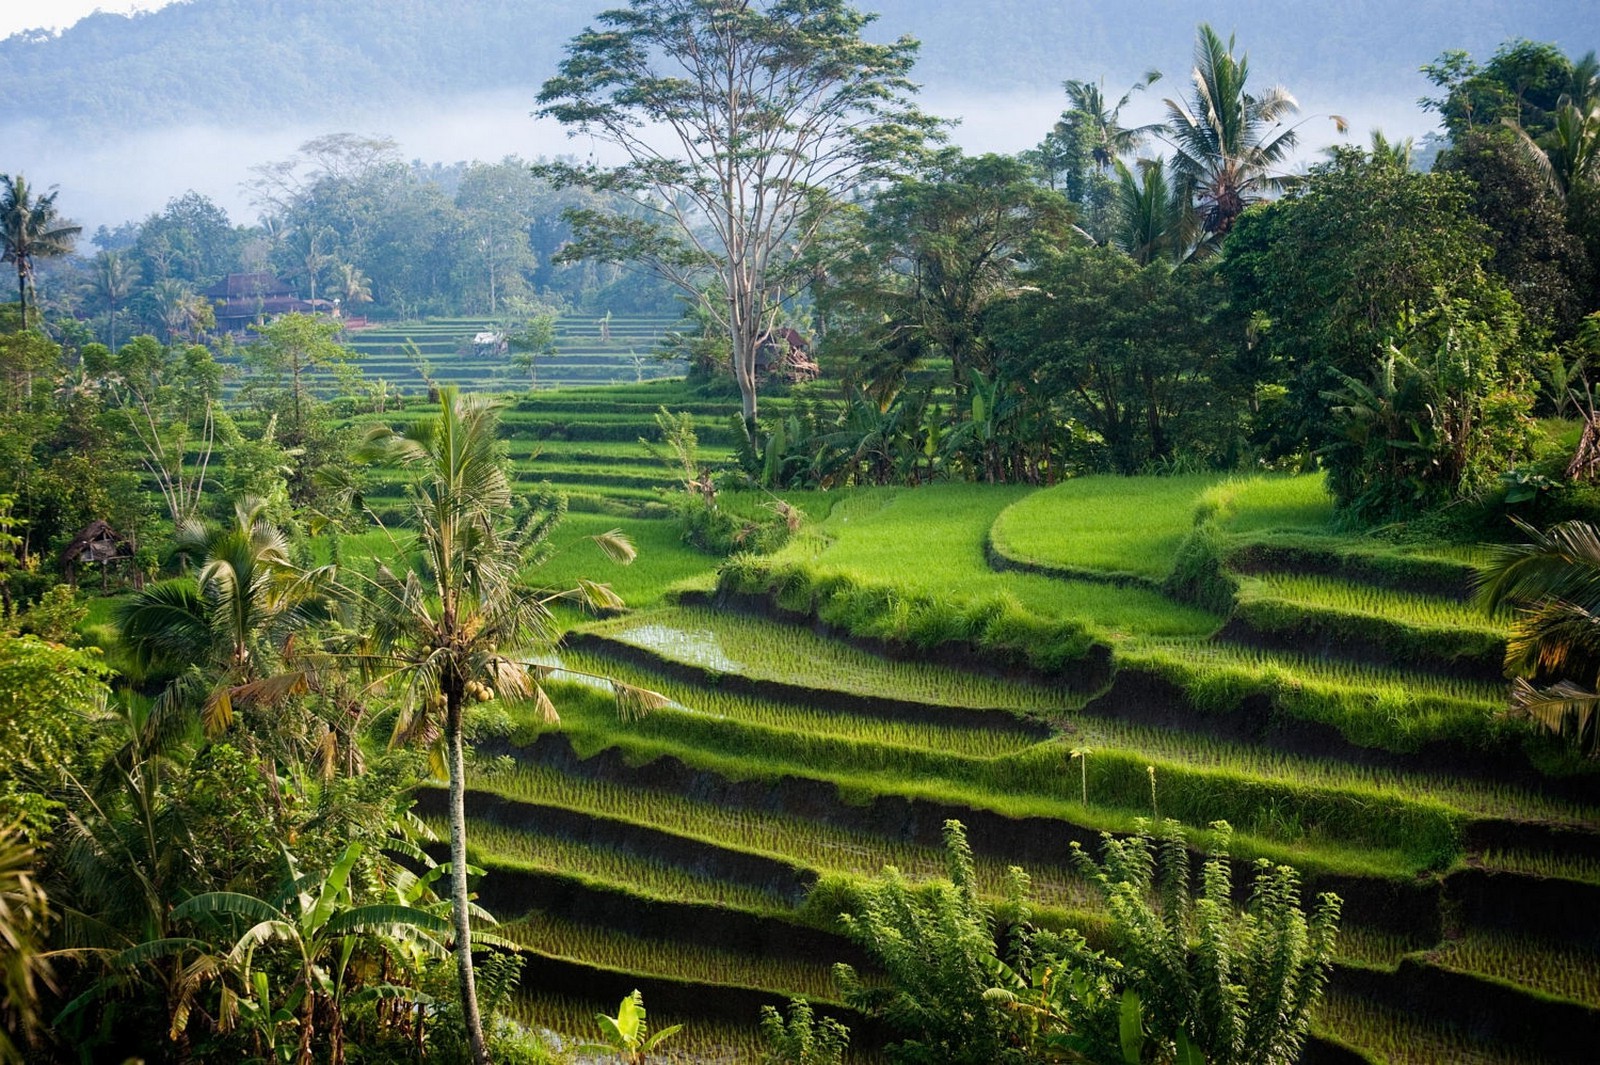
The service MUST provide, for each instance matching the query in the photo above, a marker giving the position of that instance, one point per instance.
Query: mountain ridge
(264, 61)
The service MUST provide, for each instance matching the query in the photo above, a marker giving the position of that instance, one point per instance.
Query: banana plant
(627, 1035)
(316, 921)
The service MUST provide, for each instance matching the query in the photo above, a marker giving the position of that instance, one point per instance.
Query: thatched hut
(97, 543)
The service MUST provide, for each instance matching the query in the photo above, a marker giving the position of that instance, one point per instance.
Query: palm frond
(634, 702)
(617, 546)
(1564, 708)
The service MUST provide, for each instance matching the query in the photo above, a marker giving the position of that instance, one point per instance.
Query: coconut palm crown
(1228, 145)
(30, 229)
(227, 632)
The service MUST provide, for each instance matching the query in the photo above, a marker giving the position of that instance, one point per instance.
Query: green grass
(1537, 863)
(491, 844)
(1116, 526)
(825, 848)
(664, 563)
(1265, 502)
(1393, 1036)
(1386, 709)
(1354, 831)
(1471, 796)
(1350, 597)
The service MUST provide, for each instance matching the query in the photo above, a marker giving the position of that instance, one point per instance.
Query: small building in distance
(242, 300)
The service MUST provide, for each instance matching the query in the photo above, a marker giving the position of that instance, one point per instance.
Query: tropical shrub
(1184, 976)
(1444, 411)
(1238, 988)
(802, 1038)
(937, 944)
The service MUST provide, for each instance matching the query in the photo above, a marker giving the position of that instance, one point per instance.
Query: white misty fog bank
(127, 178)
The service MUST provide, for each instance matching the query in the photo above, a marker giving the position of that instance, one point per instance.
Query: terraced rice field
(409, 356)
(795, 749)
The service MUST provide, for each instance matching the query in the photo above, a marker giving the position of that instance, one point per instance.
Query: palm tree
(1553, 583)
(1569, 154)
(180, 309)
(449, 630)
(1226, 142)
(1101, 124)
(1397, 153)
(228, 630)
(111, 281)
(1152, 220)
(354, 285)
(30, 230)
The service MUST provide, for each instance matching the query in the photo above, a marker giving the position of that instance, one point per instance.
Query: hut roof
(97, 542)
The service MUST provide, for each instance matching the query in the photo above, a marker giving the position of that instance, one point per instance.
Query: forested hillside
(262, 63)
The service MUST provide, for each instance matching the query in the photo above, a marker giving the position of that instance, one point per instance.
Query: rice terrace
(785, 587)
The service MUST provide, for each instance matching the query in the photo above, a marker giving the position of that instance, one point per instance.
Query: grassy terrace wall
(1025, 660)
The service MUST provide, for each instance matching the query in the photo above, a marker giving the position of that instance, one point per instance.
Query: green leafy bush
(1238, 988)
(802, 1038)
(937, 945)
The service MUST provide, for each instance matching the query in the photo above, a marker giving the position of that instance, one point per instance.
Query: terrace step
(1033, 841)
(1542, 907)
(1320, 632)
(1419, 574)
(781, 880)
(1090, 674)
(1484, 1009)
(1145, 697)
(827, 699)
(556, 475)
(510, 890)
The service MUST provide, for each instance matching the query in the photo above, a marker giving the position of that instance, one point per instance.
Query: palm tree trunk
(459, 901)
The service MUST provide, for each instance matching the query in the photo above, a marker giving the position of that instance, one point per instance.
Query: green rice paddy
(754, 647)
(1099, 549)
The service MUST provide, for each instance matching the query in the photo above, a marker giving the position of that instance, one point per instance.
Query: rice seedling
(825, 848)
(1371, 947)
(1117, 526)
(1350, 597)
(1390, 710)
(1354, 832)
(1542, 863)
(1567, 970)
(1254, 504)
(1394, 1036)
(498, 844)
(1480, 796)
(605, 947)
(1338, 672)
(664, 559)
(758, 648)
(800, 718)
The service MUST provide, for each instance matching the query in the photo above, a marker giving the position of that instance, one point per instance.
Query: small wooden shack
(785, 355)
(97, 543)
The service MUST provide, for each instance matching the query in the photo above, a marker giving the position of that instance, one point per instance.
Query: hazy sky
(59, 14)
